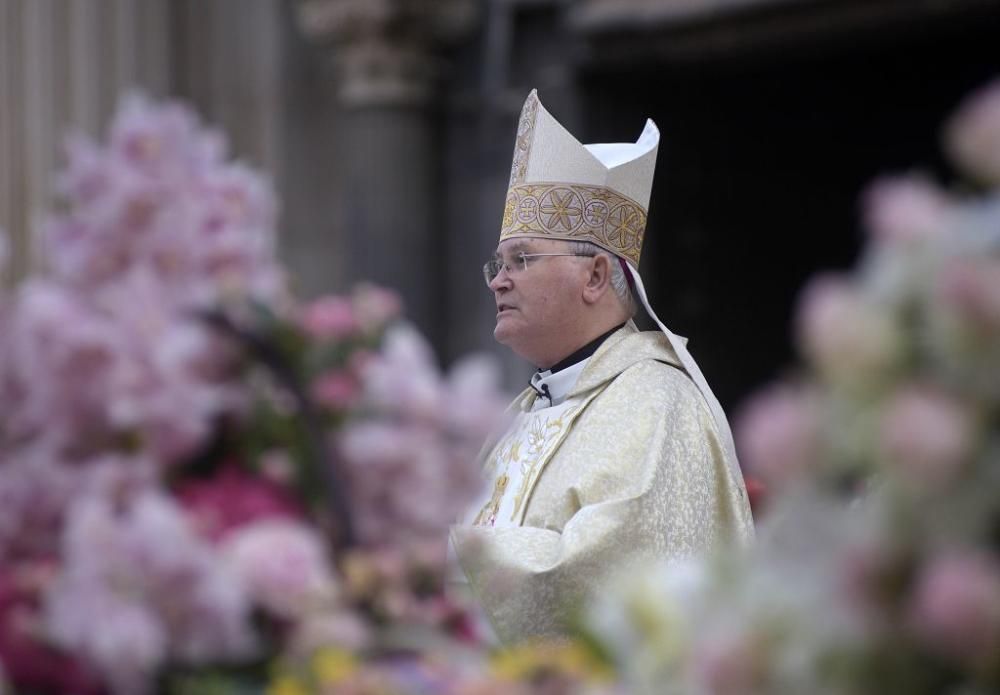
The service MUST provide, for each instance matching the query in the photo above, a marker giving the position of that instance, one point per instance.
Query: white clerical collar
(552, 388)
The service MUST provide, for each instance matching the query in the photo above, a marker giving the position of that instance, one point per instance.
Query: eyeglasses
(493, 266)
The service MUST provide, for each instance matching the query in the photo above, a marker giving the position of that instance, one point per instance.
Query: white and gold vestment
(627, 466)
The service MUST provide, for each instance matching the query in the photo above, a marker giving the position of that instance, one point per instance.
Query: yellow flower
(287, 685)
(527, 661)
(333, 665)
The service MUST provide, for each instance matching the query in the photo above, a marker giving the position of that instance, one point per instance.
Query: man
(618, 451)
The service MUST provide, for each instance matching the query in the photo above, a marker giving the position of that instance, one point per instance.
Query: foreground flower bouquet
(206, 485)
(878, 563)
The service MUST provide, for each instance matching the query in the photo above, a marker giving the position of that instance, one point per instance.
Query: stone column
(388, 62)
(63, 64)
(228, 62)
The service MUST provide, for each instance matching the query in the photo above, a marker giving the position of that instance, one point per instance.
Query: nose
(501, 281)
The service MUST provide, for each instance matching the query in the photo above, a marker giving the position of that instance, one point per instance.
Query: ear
(598, 280)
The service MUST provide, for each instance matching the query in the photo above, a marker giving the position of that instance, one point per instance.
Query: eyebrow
(517, 247)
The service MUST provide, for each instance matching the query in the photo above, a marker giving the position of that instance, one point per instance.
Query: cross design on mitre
(624, 227)
(562, 208)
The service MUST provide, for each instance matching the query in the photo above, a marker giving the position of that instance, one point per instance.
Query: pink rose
(972, 137)
(728, 663)
(971, 287)
(336, 390)
(283, 564)
(778, 433)
(926, 434)
(906, 209)
(955, 607)
(234, 498)
(329, 317)
(375, 306)
(848, 338)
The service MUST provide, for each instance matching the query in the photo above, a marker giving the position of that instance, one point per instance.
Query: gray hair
(618, 280)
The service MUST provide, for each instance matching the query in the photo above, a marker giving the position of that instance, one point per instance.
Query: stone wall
(62, 65)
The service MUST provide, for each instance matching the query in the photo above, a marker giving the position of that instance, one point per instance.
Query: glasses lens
(490, 270)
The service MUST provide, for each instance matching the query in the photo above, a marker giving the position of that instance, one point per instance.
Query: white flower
(283, 564)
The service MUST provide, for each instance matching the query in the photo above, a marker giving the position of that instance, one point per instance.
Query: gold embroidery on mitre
(576, 212)
(525, 135)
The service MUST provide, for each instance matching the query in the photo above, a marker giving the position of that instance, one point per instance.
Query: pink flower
(359, 361)
(283, 564)
(972, 137)
(906, 210)
(404, 377)
(234, 498)
(162, 140)
(329, 318)
(850, 339)
(28, 662)
(277, 466)
(955, 606)
(337, 390)
(475, 383)
(138, 587)
(375, 306)
(971, 287)
(728, 663)
(926, 435)
(173, 379)
(339, 628)
(35, 490)
(778, 433)
(407, 481)
(411, 468)
(160, 197)
(58, 368)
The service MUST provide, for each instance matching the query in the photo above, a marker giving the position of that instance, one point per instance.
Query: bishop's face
(538, 302)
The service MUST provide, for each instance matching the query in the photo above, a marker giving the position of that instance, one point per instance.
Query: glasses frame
(503, 266)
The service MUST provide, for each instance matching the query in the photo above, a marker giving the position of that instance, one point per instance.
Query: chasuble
(627, 467)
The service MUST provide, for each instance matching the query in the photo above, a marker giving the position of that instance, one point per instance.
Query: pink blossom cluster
(904, 349)
(102, 353)
(138, 587)
(107, 378)
(411, 462)
(356, 322)
(104, 348)
(142, 527)
(160, 198)
(878, 563)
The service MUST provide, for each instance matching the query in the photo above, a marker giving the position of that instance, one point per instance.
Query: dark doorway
(761, 165)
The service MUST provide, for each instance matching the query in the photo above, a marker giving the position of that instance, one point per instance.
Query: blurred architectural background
(388, 126)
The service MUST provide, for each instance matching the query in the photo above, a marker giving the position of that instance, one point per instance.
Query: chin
(502, 333)
(514, 341)
(507, 333)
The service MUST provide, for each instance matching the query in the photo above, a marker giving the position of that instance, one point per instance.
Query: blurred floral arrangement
(878, 563)
(207, 486)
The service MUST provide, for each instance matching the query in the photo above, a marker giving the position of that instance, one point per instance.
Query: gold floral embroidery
(542, 440)
(578, 213)
(488, 514)
(525, 135)
(541, 434)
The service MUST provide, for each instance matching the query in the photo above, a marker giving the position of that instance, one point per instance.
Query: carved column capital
(386, 51)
